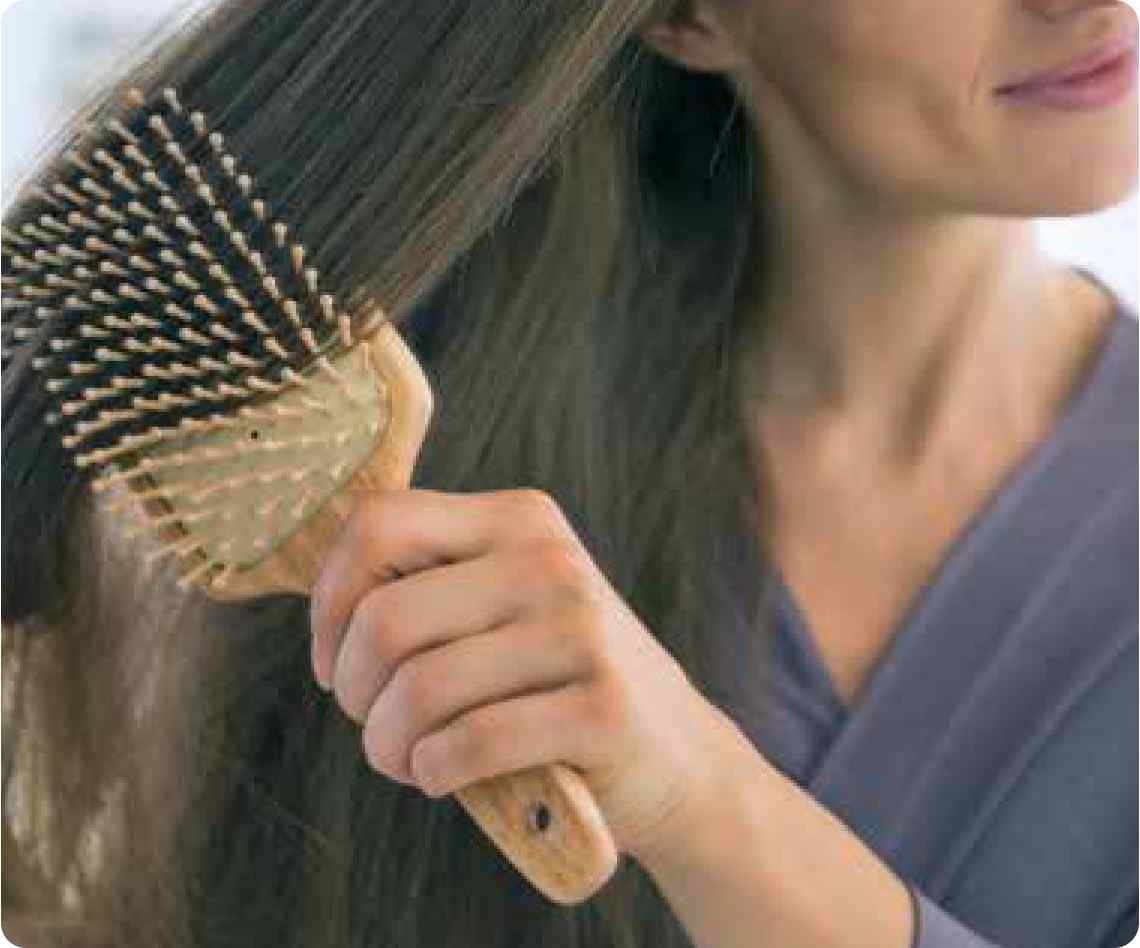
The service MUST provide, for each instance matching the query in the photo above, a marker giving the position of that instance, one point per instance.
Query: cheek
(1062, 164)
(889, 89)
(894, 97)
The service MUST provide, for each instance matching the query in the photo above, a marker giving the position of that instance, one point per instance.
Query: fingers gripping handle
(547, 823)
(544, 819)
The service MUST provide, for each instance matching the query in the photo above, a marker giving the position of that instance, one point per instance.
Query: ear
(695, 34)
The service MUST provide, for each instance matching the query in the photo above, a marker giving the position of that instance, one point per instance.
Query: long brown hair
(564, 223)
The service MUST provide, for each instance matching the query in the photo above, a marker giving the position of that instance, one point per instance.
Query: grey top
(991, 758)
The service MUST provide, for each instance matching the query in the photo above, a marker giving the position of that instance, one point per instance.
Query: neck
(876, 331)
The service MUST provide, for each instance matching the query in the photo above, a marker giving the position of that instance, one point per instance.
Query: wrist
(708, 815)
(712, 859)
(753, 844)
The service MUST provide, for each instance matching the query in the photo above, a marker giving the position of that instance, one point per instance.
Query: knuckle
(362, 519)
(553, 563)
(584, 637)
(479, 738)
(387, 626)
(536, 506)
(380, 749)
(413, 691)
(367, 530)
(347, 696)
(607, 706)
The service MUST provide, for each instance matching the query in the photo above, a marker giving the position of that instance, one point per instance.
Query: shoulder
(1105, 422)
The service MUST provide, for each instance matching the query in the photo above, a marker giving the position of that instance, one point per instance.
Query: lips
(1104, 55)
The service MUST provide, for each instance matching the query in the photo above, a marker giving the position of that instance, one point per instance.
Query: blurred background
(53, 50)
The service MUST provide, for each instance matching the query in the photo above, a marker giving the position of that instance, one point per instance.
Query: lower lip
(1106, 86)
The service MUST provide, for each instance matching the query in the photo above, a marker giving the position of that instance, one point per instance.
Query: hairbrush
(194, 365)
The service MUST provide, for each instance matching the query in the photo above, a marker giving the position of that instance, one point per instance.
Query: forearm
(763, 864)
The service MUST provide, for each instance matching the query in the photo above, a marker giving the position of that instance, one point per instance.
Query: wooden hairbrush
(192, 361)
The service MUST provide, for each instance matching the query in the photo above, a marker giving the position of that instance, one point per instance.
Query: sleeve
(935, 928)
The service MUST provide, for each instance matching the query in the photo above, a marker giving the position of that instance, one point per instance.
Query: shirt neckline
(1032, 466)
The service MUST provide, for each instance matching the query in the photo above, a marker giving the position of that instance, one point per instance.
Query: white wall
(52, 49)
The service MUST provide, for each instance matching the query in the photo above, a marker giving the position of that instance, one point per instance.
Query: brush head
(190, 357)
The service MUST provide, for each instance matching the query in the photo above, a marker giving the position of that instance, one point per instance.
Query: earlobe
(662, 37)
(693, 39)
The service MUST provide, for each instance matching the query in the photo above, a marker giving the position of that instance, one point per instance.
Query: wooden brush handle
(544, 819)
(547, 823)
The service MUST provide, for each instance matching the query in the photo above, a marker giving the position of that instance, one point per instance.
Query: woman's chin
(1091, 192)
(1094, 197)
(1066, 178)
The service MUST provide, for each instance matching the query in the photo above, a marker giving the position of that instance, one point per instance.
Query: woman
(822, 575)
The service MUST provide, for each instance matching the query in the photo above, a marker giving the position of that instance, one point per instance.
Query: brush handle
(543, 819)
(547, 823)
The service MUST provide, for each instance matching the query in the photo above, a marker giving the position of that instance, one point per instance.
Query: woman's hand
(472, 635)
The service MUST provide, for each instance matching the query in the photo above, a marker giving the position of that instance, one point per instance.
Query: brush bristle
(151, 287)
(156, 286)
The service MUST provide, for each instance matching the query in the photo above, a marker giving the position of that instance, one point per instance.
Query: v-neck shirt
(802, 655)
(1026, 629)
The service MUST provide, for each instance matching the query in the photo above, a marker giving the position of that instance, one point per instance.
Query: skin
(503, 646)
(911, 343)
